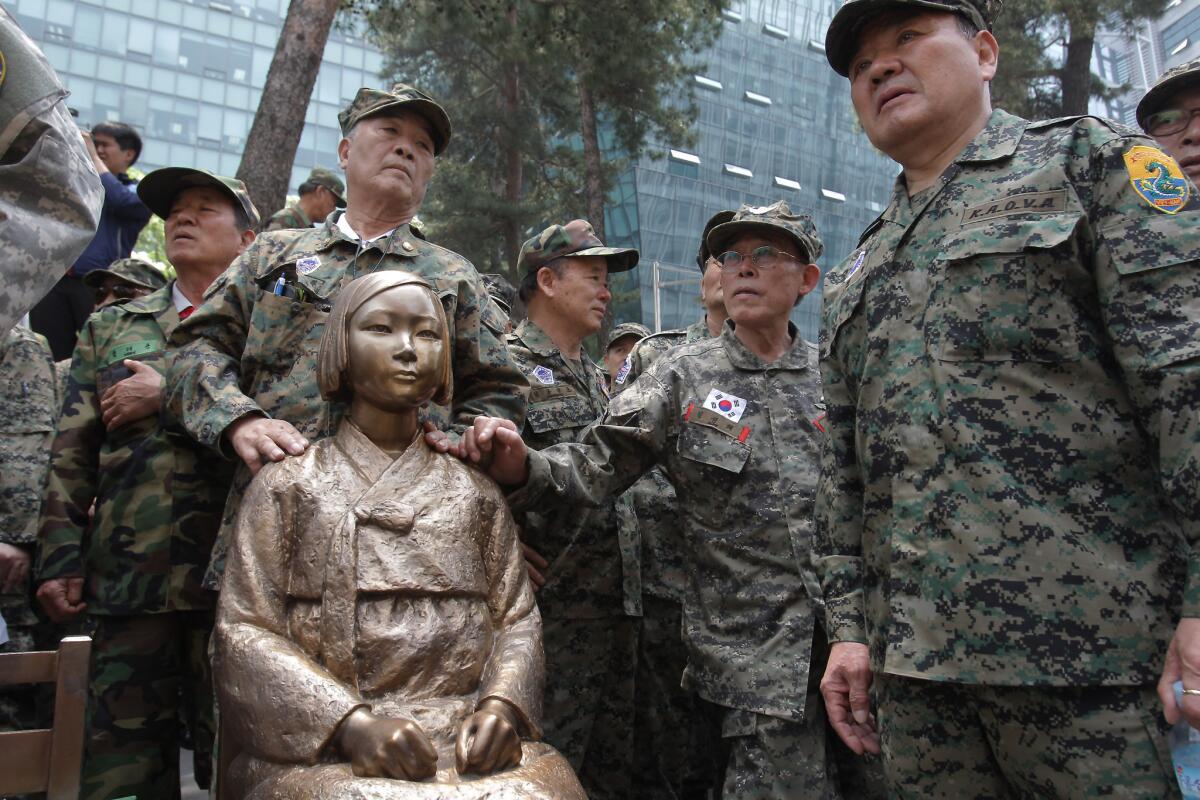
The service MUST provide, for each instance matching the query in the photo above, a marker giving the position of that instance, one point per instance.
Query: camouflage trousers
(588, 713)
(769, 758)
(947, 740)
(150, 689)
(676, 746)
(18, 703)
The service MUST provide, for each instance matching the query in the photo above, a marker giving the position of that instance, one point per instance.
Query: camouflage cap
(369, 102)
(576, 238)
(326, 177)
(841, 40)
(1169, 84)
(619, 332)
(500, 289)
(775, 218)
(130, 270)
(716, 219)
(158, 189)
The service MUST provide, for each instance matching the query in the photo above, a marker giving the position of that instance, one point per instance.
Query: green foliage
(151, 242)
(507, 73)
(1036, 78)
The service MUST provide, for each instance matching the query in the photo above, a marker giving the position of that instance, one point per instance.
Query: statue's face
(395, 349)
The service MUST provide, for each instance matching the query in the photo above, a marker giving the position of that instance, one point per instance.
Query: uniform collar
(400, 241)
(536, 339)
(795, 357)
(154, 303)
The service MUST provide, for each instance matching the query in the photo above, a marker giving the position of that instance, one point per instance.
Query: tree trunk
(593, 185)
(514, 168)
(1077, 69)
(266, 166)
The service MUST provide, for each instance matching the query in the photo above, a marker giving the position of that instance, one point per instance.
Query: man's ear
(988, 50)
(343, 151)
(811, 275)
(248, 237)
(545, 280)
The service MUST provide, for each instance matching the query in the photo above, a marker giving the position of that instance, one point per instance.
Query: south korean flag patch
(727, 405)
(623, 372)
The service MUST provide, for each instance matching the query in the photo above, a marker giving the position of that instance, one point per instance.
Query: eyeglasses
(762, 258)
(121, 292)
(1170, 121)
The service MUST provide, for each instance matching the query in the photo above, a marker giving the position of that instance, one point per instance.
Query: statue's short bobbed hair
(334, 357)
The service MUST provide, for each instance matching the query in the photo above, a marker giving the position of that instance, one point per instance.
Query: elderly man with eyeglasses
(735, 421)
(1170, 112)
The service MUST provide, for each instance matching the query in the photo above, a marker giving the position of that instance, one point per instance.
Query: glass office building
(775, 123)
(188, 75)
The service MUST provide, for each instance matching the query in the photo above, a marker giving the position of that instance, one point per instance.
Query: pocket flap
(559, 413)
(1008, 236)
(707, 445)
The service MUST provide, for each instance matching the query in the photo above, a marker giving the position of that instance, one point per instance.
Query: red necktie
(187, 312)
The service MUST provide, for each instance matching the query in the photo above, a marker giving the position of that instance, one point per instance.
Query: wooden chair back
(48, 760)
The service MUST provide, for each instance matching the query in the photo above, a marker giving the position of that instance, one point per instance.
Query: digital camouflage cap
(619, 332)
(326, 177)
(130, 270)
(159, 188)
(1171, 82)
(775, 218)
(713, 221)
(369, 102)
(576, 238)
(841, 40)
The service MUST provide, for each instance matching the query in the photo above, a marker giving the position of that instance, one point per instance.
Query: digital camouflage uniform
(1009, 497)
(687, 763)
(288, 218)
(50, 194)
(248, 349)
(158, 499)
(28, 394)
(746, 481)
(592, 593)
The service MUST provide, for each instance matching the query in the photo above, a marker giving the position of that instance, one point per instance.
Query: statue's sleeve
(280, 704)
(515, 673)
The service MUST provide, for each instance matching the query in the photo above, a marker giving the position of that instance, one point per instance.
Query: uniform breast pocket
(841, 302)
(282, 329)
(1004, 293)
(551, 411)
(713, 463)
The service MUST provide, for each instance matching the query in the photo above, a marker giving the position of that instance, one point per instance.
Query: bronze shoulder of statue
(377, 635)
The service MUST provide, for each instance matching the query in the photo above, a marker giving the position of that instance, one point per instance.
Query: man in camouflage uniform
(503, 294)
(1170, 112)
(136, 568)
(621, 340)
(125, 279)
(731, 420)
(590, 598)
(27, 411)
(1008, 496)
(320, 195)
(647, 350)
(50, 192)
(244, 379)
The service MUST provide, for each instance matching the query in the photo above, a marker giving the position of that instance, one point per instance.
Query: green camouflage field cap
(775, 218)
(1171, 82)
(841, 40)
(159, 188)
(576, 238)
(326, 177)
(716, 219)
(369, 102)
(619, 332)
(130, 270)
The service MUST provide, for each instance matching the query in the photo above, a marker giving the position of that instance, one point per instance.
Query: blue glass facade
(775, 123)
(188, 75)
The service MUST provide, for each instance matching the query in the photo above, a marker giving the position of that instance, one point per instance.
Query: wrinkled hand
(62, 598)
(536, 565)
(136, 397)
(496, 446)
(382, 747)
(257, 440)
(1182, 664)
(14, 566)
(488, 740)
(441, 441)
(845, 688)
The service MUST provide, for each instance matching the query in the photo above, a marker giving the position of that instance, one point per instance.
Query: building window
(684, 157)
(771, 30)
(1179, 48)
(731, 15)
(787, 183)
(741, 172)
(683, 164)
(708, 83)
(757, 99)
(813, 44)
(830, 194)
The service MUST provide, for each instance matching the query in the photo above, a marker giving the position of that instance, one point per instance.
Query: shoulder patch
(1156, 178)
(544, 375)
(623, 372)
(307, 264)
